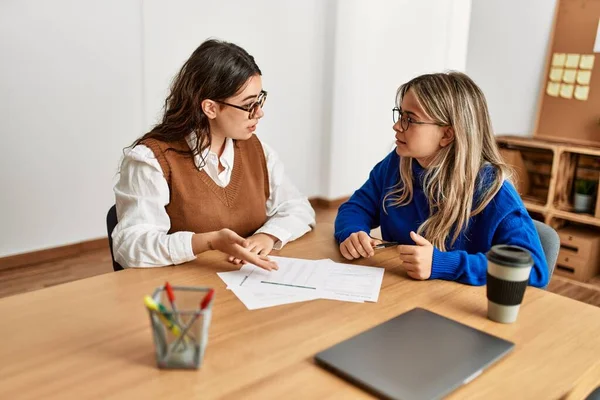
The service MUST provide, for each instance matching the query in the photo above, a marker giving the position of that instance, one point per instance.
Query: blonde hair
(449, 182)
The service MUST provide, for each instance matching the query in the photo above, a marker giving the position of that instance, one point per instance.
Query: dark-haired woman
(200, 179)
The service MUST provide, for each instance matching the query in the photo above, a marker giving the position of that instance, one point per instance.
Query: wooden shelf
(579, 262)
(535, 207)
(532, 143)
(525, 142)
(587, 219)
(588, 151)
(560, 182)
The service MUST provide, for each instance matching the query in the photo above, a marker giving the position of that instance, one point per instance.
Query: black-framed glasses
(406, 120)
(252, 108)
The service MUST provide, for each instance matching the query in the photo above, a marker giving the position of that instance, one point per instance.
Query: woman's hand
(358, 244)
(236, 246)
(417, 260)
(261, 244)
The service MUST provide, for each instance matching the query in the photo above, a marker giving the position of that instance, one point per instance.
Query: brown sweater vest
(197, 204)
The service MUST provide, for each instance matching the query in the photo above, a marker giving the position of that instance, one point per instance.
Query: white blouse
(140, 239)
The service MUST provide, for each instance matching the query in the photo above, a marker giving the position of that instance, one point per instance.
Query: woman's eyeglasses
(406, 120)
(252, 108)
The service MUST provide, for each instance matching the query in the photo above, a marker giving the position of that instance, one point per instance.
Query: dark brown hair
(216, 70)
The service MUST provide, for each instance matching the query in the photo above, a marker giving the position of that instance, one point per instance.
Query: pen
(171, 296)
(386, 244)
(203, 304)
(206, 300)
(163, 314)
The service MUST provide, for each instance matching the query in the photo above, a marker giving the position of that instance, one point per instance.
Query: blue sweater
(503, 221)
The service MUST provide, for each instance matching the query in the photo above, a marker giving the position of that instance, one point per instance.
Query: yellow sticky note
(572, 61)
(552, 89)
(569, 75)
(582, 92)
(556, 74)
(586, 62)
(583, 77)
(558, 59)
(566, 91)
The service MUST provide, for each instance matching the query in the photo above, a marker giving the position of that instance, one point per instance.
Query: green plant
(585, 186)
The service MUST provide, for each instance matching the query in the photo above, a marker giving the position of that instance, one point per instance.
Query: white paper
(352, 283)
(292, 278)
(572, 60)
(303, 280)
(294, 274)
(587, 61)
(232, 278)
(558, 59)
(254, 300)
(597, 42)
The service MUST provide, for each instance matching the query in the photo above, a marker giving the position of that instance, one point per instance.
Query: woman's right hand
(357, 245)
(234, 245)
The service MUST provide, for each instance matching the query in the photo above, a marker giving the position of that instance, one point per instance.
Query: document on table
(254, 300)
(292, 273)
(352, 282)
(303, 280)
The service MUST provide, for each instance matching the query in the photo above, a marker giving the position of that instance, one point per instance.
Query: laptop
(416, 355)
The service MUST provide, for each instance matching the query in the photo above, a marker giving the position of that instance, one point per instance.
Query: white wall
(70, 100)
(80, 80)
(379, 45)
(508, 43)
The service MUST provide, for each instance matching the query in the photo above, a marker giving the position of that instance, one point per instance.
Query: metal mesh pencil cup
(180, 332)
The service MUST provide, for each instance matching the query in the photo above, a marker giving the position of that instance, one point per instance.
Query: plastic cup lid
(510, 255)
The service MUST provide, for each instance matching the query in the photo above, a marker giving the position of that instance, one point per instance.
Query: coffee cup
(508, 272)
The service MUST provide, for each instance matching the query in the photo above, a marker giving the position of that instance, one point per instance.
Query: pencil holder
(180, 325)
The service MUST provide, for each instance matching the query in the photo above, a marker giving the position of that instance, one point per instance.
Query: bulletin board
(569, 103)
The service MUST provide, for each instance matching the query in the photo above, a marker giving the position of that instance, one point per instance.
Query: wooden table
(91, 338)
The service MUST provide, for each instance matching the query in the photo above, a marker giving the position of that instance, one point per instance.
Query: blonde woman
(444, 194)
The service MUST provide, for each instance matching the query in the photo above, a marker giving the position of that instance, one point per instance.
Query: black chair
(111, 222)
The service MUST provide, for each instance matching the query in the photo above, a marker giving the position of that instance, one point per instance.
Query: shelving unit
(556, 206)
(566, 141)
(554, 168)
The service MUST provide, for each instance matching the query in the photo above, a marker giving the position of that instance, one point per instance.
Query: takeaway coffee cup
(507, 277)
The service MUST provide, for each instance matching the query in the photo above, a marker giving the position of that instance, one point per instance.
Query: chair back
(550, 244)
(111, 222)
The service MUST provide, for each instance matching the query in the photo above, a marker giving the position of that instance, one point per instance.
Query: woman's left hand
(261, 244)
(416, 260)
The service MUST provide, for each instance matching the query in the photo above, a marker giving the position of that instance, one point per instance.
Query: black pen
(386, 244)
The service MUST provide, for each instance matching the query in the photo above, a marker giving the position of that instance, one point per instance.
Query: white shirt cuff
(281, 234)
(180, 247)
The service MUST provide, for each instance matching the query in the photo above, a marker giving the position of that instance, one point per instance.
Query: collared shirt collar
(209, 156)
